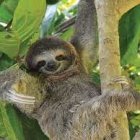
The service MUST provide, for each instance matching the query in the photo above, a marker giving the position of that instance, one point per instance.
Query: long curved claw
(12, 96)
(121, 80)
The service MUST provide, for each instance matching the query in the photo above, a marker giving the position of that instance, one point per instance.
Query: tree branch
(124, 5)
(109, 54)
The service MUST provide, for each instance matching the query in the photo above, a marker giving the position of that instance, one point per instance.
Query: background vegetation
(22, 22)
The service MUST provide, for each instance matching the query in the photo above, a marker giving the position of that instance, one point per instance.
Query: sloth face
(52, 61)
(50, 56)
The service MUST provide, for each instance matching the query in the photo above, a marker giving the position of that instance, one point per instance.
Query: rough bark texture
(108, 13)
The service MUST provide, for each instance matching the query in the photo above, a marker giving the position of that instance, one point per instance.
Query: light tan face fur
(59, 61)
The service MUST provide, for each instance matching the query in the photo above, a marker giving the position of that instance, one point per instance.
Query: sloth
(72, 107)
(68, 85)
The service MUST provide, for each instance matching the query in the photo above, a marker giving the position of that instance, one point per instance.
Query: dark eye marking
(60, 57)
(41, 63)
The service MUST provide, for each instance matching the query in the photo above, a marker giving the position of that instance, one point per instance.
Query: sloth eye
(41, 63)
(60, 57)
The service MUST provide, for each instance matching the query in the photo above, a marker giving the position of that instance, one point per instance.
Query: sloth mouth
(56, 70)
(52, 68)
(57, 77)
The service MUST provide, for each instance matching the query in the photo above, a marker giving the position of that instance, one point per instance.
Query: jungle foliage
(22, 22)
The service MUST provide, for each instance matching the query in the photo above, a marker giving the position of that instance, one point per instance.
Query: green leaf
(7, 9)
(129, 30)
(27, 18)
(10, 125)
(5, 62)
(9, 44)
(135, 120)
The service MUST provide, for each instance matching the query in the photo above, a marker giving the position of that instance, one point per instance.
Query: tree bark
(108, 15)
(124, 5)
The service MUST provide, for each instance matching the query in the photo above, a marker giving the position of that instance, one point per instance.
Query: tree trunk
(108, 14)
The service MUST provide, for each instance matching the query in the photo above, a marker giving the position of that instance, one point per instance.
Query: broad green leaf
(15, 123)
(27, 12)
(7, 9)
(10, 126)
(132, 131)
(5, 62)
(129, 31)
(9, 43)
(27, 18)
(32, 8)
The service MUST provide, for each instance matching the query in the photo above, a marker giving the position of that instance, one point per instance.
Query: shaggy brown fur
(74, 109)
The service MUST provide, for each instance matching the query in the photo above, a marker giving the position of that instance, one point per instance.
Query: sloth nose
(52, 66)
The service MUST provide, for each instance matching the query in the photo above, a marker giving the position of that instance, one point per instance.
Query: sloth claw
(12, 96)
(121, 80)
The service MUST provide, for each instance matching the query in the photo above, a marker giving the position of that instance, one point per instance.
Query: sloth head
(51, 56)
